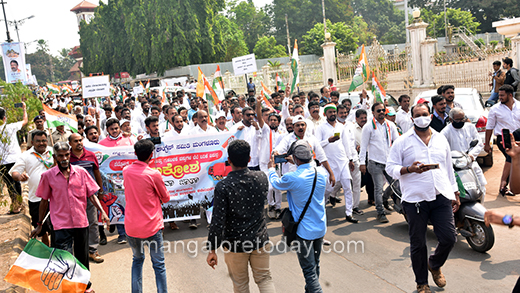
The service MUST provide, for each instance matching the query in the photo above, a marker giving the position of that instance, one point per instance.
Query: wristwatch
(508, 220)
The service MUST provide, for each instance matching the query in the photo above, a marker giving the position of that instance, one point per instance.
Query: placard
(244, 64)
(138, 90)
(96, 86)
(14, 62)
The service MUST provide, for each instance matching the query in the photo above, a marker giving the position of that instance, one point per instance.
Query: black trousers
(368, 183)
(77, 236)
(14, 187)
(440, 214)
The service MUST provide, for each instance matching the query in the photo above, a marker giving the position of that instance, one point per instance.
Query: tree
(266, 47)
(140, 36)
(253, 22)
(344, 37)
(456, 17)
(302, 15)
(383, 19)
(234, 42)
(484, 11)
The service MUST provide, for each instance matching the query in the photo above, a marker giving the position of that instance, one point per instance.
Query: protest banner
(96, 86)
(14, 62)
(190, 166)
(244, 64)
(138, 90)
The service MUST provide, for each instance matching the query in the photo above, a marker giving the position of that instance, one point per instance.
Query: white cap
(299, 118)
(123, 121)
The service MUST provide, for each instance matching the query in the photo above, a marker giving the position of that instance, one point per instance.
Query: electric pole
(6, 27)
(324, 20)
(288, 39)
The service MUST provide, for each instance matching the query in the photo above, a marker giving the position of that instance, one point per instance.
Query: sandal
(505, 191)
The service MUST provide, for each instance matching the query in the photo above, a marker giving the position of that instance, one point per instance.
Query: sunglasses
(250, 114)
(380, 110)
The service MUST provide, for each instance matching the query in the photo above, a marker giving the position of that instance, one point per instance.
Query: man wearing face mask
(439, 118)
(427, 194)
(459, 134)
(377, 137)
(342, 114)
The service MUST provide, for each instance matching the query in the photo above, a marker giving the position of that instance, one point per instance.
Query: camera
(155, 140)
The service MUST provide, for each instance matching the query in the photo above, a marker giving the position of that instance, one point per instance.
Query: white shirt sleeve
(365, 137)
(394, 162)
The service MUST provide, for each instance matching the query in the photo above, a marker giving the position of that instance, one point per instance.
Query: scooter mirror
(473, 143)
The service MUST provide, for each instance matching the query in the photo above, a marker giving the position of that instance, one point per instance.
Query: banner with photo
(190, 166)
(13, 55)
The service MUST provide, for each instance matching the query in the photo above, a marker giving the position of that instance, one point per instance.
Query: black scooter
(469, 219)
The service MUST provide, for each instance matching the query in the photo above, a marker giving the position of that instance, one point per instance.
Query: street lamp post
(9, 40)
(15, 23)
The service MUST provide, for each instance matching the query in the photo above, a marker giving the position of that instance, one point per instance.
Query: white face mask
(342, 120)
(422, 121)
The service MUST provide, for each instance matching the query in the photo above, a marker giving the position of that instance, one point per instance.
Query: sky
(53, 21)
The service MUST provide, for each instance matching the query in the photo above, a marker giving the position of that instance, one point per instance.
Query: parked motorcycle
(469, 219)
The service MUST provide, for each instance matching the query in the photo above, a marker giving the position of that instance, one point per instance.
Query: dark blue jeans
(155, 245)
(440, 214)
(309, 257)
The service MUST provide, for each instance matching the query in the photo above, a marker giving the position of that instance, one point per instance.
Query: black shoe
(505, 191)
(332, 200)
(352, 219)
(387, 206)
(357, 211)
(112, 228)
(338, 199)
(103, 241)
(382, 218)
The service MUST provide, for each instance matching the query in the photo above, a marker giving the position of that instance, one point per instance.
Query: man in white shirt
(404, 116)
(167, 124)
(339, 158)
(29, 167)
(178, 126)
(300, 126)
(152, 127)
(353, 132)
(236, 114)
(141, 115)
(269, 122)
(377, 138)
(503, 115)
(427, 195)
(9, 152)
(459, 134)
(252, 134)
(202, 124)
(220, 121)
(315, 119)
(134, 125)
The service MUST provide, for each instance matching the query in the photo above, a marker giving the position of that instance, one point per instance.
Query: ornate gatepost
(422, 51)
(329, 61)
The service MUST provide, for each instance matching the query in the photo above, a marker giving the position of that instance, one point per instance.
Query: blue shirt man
(314, 223)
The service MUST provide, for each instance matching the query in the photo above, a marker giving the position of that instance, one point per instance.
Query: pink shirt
(144, 191)
(108, 142)
(67, 198)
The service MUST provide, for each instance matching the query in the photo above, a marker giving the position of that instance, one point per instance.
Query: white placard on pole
(244, 64)
(96, 86)
(138, 90)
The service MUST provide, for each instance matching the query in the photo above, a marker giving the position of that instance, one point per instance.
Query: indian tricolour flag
(294, 67)
(279, 83)
(218, 84)
(55, 118)
(67, 89)
(45, 269)
(362, 71)
(53, 88)
(377, 90)
(205, 91)
(218, 77)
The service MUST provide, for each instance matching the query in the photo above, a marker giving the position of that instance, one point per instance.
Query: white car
(473, 106)
(354, 98)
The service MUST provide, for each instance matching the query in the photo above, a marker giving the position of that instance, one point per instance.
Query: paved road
(383, 266)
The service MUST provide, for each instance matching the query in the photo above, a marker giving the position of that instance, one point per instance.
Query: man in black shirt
(439, 116)
(238, 222)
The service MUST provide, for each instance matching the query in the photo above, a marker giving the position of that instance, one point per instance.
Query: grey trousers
(93, 230)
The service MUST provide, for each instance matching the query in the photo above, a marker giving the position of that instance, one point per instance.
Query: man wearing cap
(339, 158)
(313, 226)
(220, 121)
(299, 133)
(271, 136)
(377, 137)
(390, 116)
(39, 121)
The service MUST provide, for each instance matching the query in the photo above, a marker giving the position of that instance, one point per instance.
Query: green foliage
(151, 36)
(234, 43)
(14, 93)
(456, 17)
(274, 64)
(484, 11)
(480, 42)
(494, 44)
(384, 20)
(302, 15)
(253, 22)
(266, 47)
(344, 37)
(507, 42)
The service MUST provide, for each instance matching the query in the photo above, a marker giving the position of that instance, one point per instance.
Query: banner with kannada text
(190, 166)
